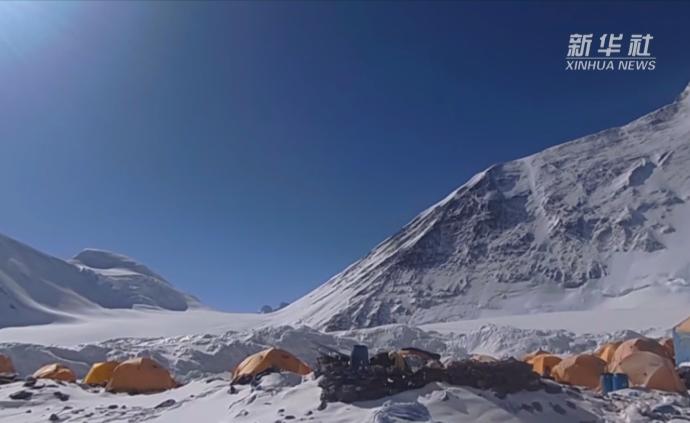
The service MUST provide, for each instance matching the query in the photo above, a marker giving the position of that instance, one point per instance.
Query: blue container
(620, 381)
(606, 382)
(359, 357)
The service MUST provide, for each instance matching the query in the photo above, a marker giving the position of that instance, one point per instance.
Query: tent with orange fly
(100, 373)
(607, 350)
(544, 363)
(56, 371)
(652, 371)
(140, 376)
(266, 360)
(634, 345)
(6, 365)
(583, 370)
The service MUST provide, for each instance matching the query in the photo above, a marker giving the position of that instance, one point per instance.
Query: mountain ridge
(529, 233)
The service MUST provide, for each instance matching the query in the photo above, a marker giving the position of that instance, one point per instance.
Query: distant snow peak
(547, 232)
(102, 259)
(36, 288)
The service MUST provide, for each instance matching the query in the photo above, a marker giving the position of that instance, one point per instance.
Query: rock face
(36, 288)
(590, 221)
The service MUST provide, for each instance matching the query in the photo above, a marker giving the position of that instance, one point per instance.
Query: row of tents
(144, 375)
(136, 376)
(646, 362)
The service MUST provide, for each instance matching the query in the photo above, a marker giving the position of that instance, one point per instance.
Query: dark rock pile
(506, 376)
(340, 382)
(21, 395)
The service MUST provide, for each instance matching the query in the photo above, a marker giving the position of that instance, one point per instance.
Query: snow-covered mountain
(599, 222)
(602, 221)
(36, 288)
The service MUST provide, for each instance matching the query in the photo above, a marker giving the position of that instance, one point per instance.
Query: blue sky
(249, 151)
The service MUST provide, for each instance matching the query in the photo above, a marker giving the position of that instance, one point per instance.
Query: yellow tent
(634, 345)
(483, 358)
(140, 376)
(100, 373)
(528, 357)
(651, 371)
(6, 365)
(606, 351)
(543, 364)
(56, 372)
(271, 358)
(583, 370)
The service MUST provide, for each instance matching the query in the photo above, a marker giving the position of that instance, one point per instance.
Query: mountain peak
(36, 288)
(541, 233)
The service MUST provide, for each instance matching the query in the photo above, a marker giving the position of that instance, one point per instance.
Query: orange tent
(652, 371)
(667, 343)
(100, 373)
(528, 357)
(606, 351)
(140, 376)
(271, 358)
(634, 345)
(483, 358)
(56, 372)
(6, 365)
(544, 363)
(583, 370)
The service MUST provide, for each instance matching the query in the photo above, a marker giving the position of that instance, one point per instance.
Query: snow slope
(599, 222)
(36, 288)
(280, 398)
(109, 324)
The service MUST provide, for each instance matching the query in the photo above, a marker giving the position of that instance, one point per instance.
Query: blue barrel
(606, 382)
(620, 381)
(359, 357)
